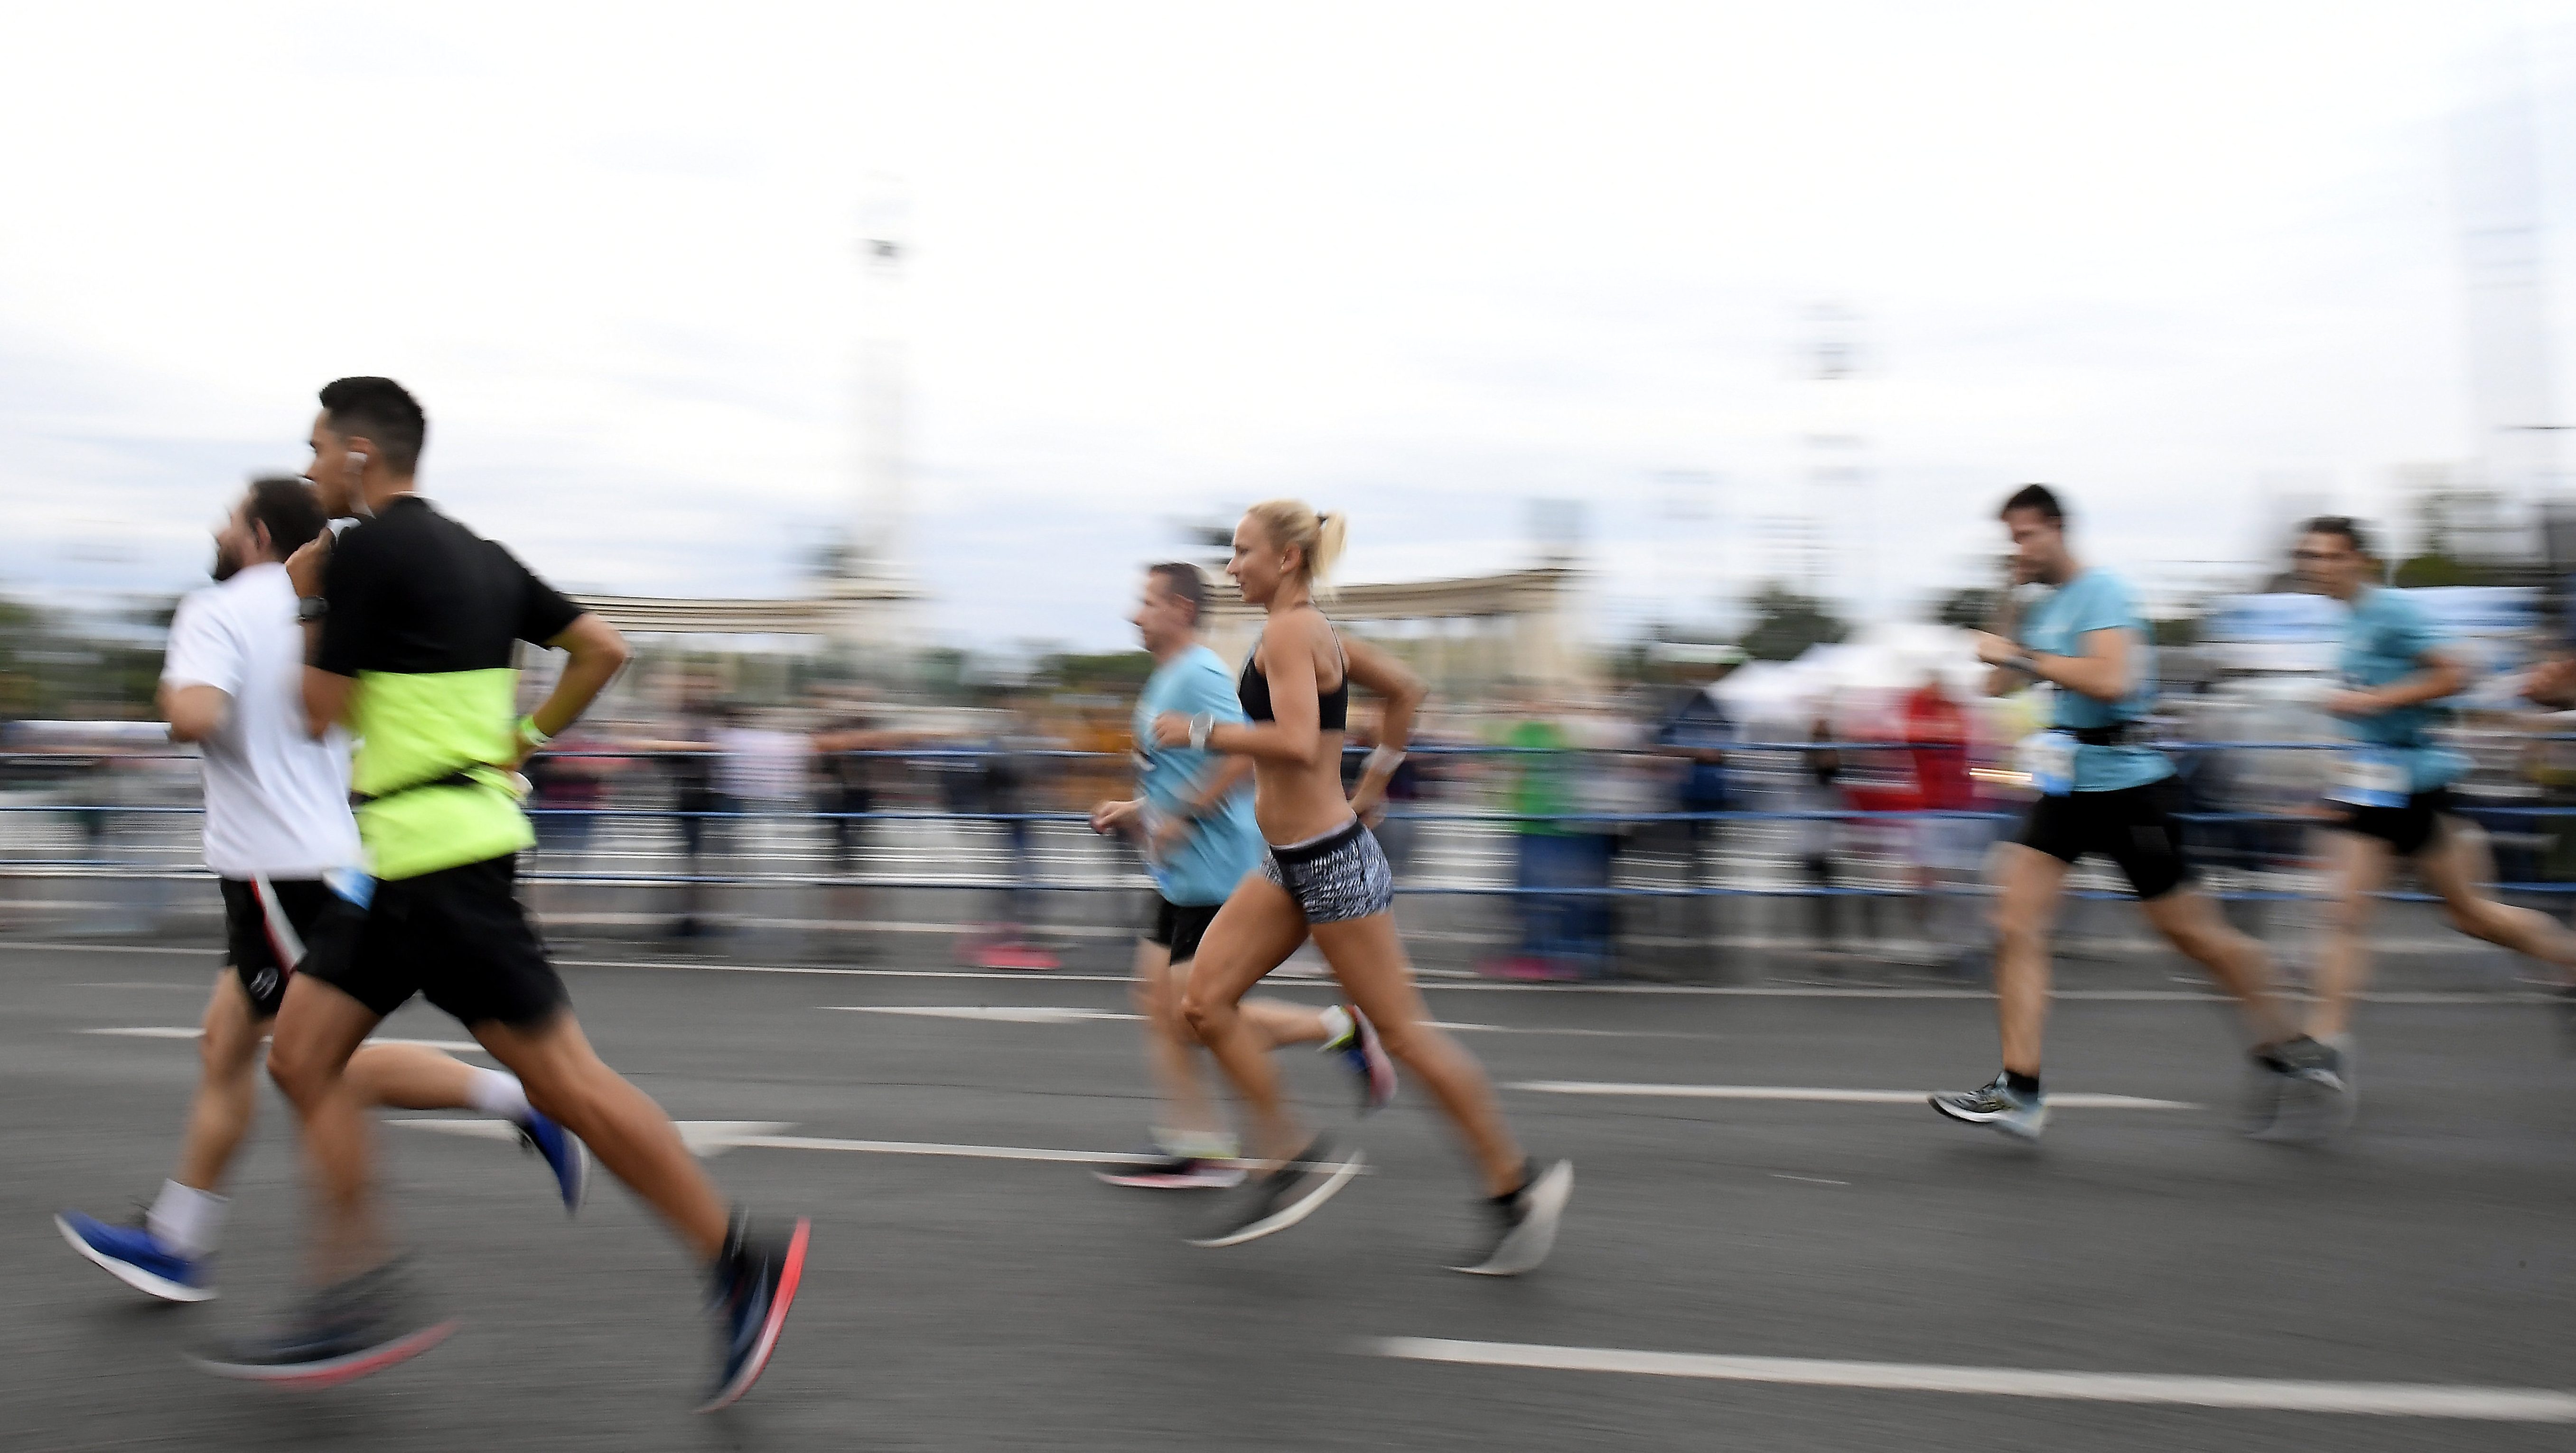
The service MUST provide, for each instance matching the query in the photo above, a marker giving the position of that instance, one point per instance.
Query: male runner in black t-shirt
(418, 620)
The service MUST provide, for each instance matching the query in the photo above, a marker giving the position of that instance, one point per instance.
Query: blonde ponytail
(1317, 538)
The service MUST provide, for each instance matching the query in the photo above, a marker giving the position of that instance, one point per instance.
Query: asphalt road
(979, 1301)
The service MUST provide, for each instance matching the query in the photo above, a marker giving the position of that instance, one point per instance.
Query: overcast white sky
(1421, 263)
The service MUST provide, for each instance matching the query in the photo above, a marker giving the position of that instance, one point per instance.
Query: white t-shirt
(277, 801)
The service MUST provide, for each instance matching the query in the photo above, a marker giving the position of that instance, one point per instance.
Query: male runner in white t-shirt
(280, 837)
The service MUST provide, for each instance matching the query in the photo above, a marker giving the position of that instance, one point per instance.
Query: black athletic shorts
(458, 938)
(314, 929)
(1179, 926)
(2409, 829)
(2133, 827)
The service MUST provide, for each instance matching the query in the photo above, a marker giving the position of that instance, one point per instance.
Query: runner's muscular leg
(1282, 1023)
(1169, 1043)
(318, 1028)
(568, 1082)
(2189, 919)
(410, 1077)
(2358, 867)
(1368, 958)
(1256, 930)
(2455, 866)
(2025, 908)
(227, 1085)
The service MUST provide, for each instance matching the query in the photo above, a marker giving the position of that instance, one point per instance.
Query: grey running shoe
(1525, 1222)
(1281, 1198)
(2306, 1086)
(1997, 1104)
(345, 1331)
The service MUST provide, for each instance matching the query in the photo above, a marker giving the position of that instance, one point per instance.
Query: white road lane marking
(1822, 1094)
(2380, 1399)
(1072, 1014)
(1006, 1013)
(704, 1138)
(714, 1137)
(190, 1031)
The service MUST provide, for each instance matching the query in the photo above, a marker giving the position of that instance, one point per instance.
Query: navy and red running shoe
(755, 1283)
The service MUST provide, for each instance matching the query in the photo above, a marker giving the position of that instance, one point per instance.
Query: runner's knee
(1198, 1016)
(301, 1073)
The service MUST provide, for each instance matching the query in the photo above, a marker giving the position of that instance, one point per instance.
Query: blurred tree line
(53, 668)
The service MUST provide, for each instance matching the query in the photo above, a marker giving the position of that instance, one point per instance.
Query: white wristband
(1383, 761)
(1200, 726)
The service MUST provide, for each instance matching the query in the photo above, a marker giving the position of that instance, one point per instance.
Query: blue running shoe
(136, 1257)
(564, 1156)
(756, 1281)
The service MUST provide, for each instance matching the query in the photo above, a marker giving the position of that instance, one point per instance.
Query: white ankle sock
(1337, 1024)
(495, 1093)
(187, 1220)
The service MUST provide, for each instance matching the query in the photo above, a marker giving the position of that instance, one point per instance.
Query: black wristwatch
(311, 607)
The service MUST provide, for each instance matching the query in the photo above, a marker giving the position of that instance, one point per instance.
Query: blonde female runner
(1323, 876)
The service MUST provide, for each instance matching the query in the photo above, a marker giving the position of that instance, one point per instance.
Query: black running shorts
(2409, 829)
(1179, 926)
(458, 938)
(2133, 827)
(315, 929)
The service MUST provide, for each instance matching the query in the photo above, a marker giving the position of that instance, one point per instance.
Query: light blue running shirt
(1226, 843)
(2097, 600)
(2385, 639)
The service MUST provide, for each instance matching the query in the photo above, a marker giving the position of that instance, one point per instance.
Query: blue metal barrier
(90, 761)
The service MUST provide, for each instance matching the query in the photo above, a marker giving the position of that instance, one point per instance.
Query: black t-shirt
(413, 592)
(423, 612)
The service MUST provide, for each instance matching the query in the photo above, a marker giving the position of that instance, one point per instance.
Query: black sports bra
(1332, 708)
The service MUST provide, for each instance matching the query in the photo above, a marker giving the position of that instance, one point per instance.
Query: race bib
(2371, 777)
(2049, 758)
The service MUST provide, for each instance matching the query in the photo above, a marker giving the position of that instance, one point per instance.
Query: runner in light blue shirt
(1192, 820)
(2388, 638)
(1205, 848)
(2103, 790)
(2390, 794)
(2098, 600)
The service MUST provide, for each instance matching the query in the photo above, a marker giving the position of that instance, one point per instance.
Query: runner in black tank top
(1332, 708)
(1325, 877)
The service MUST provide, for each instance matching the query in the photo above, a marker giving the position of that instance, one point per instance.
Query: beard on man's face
(227, 562)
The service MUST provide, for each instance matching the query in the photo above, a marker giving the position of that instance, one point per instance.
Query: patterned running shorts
(1341, 875)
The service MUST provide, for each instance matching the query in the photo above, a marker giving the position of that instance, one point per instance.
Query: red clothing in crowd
(1941, 768)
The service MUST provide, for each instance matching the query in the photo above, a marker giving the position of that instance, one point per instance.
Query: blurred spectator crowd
(1541, 833)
